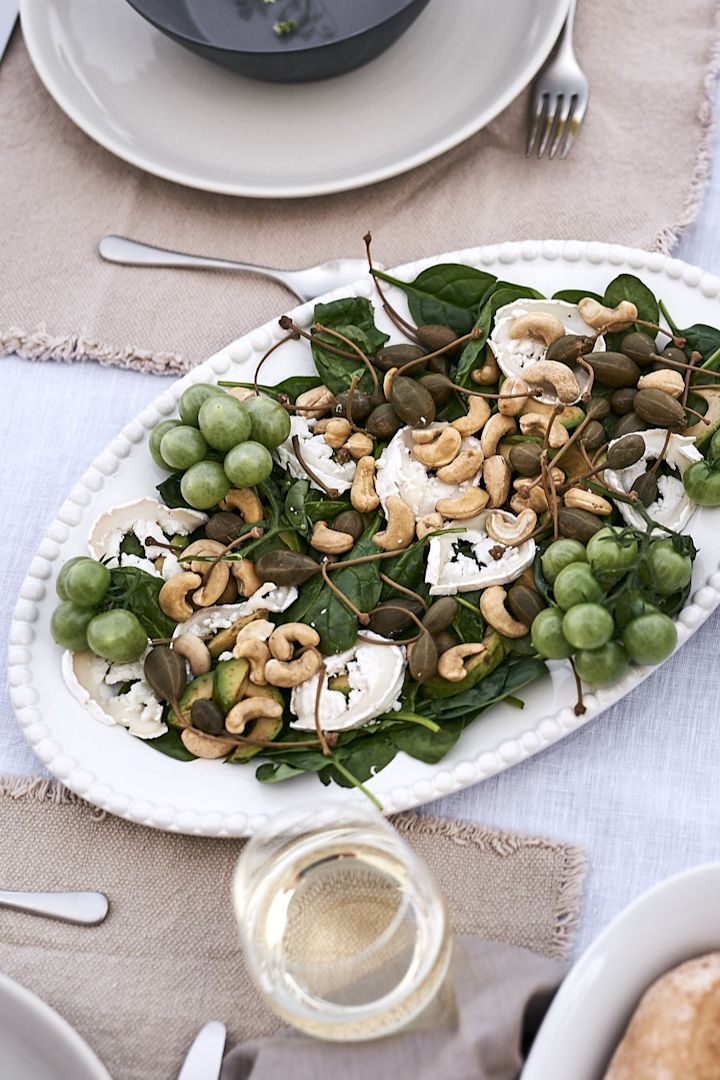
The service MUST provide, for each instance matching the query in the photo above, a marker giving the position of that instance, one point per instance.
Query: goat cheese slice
(516, 355)
(399, 473)
(469, 560)
(152, 524)
(208, 621)
(673, 506)
(95, 683)
(375, 676)
(317, 455)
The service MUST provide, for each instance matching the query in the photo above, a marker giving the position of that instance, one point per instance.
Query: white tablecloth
(637, 787)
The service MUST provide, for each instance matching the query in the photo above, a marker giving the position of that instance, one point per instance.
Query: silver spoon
(84, 908)
(305, 284)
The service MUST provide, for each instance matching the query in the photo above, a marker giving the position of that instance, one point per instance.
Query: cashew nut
(712, 397)
(315, 402)
(283, 639)
(475, 418)
(293, 672)
(451, 664)
(533, 423)
(330, 541)
(463, 468)
(244, 573)
(337, 432)
(253, 708)
(495, 614)
(424, 435)
(257, 654)
(200, 547)
(245, 500)
(496, 477)
(195, 652)
(540, 325)
(489, 373)
(388, 381)
(258, 629)
(507, 530)
(230, 593)
(172, 598)
(587, 500)
(241, 393)
(511, 402)
(206, 746)
(427, 524)
(600, 317)
(531, 493)
(670, 382)
(497, 427)
(470, 503)
(321, 425)
(214, 584)
(363, 495)
(441, 451)
(359, 444)
(400, 528)
(555, 380)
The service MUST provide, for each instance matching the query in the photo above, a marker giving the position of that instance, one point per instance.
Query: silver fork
(559, 98)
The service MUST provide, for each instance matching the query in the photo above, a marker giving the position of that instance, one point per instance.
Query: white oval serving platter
(121, 774)
(670, 923)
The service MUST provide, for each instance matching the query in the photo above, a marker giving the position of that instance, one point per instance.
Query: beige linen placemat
(139, 986)
(634, 176)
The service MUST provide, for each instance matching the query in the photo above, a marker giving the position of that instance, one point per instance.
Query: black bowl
(283, 40)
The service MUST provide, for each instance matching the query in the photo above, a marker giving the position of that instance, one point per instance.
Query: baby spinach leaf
(505, 292)
(408, 568)
(574, 296)
(169, 492)
(333, 620)
(353, 317)
(138, 591)
(291, 388)
(466, 705)
(171, 745)
(629, 287)
(468, 624)
(448, 293)
(703, 339)
(130, 545)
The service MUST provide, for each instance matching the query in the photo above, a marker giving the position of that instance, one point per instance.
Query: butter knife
(204, 1058)
(8, 17)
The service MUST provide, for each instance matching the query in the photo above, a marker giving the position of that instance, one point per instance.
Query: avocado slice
(267, 727)
(198, 689)
(231, 678)
(479, 667)
(225, 639)
(339, 682)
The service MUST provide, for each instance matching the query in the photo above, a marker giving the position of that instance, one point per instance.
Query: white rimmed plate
(123, 775)
(35, 1042)
(148, 100)
(670, 923)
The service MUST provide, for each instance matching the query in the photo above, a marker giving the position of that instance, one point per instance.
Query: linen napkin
(494, 999)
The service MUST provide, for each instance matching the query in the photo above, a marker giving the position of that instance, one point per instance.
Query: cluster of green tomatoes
(219, 442)
(78, 623)
(600, 625)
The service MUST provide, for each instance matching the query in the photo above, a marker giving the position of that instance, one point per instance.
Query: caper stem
(573, 438)
(292, 336)
(676, 339)
(330, 492)
(321, 676)
(341, 337)
(580, 704)
(668, 361)
(661, 455)
(405, 611)
(404, 589)
(350, 395)
(392, 314)
(474, 334)
(361, 616)
(287, 324)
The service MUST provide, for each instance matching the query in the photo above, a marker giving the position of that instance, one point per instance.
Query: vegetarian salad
(344, 566)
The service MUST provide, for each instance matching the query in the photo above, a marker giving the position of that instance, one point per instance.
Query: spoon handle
(84, 908)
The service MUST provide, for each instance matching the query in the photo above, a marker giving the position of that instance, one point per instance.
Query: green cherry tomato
(193, 398)
(560, 554)
(69, 624)
(588, 626)
(248, 464)
(62, 576)
(117, 636)
(270, 421)
(575, 584)
(86, 583)
(649, 639)
(600, 667)
(204, 485)
(609, 555)
(156, 439)
(224, 421)
(703, 483)
(667, 570)
(547, 636)
(182, 447)
(632, 605)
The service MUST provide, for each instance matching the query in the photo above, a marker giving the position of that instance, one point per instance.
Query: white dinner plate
(151, 102)
(122, 774)
(670, 923)
(37, 1044)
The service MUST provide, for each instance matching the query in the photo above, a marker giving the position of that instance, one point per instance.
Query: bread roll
(674, 1033)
